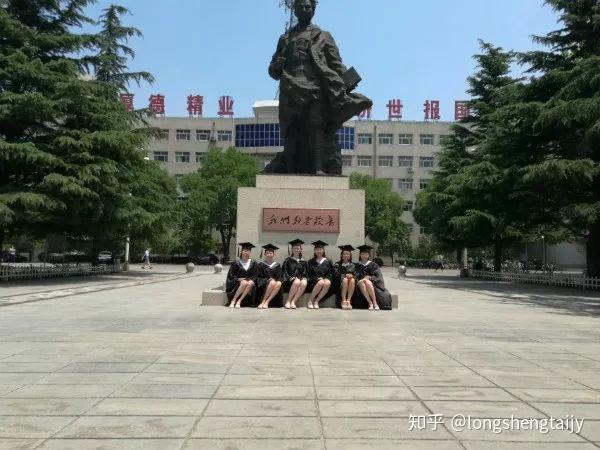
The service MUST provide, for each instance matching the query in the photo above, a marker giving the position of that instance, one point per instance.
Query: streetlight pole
(543, 250)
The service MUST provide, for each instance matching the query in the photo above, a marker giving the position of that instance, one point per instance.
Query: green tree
(68, 149)
(475, 197)
(111, 61)
(215, 186)
(564, 100)
(383, 213)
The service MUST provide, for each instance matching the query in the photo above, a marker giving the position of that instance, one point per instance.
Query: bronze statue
(315, 97)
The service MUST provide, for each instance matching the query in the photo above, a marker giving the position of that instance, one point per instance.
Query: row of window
(387, 161)
(180, 157)
(201, 135)
(403, 139)
(268, 135)
(407, 184)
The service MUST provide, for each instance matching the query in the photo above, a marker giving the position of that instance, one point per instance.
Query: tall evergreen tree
(68, 149)
(470, 201)
(564, 100)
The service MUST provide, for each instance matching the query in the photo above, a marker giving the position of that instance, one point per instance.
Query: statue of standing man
(315, 97)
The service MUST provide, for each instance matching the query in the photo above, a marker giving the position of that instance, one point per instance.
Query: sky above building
(410, 50)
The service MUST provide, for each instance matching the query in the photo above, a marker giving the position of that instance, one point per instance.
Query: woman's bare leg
(351, 289)
(365, 292)
(266, 295)
(344, 288)
(299, 293)
(315, 292)
(249, 286)
(371, 290)
(293, 288)
(323, 293)
(241, 288)
(275, 288)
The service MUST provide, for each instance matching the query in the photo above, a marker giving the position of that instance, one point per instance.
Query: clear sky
(407, 49)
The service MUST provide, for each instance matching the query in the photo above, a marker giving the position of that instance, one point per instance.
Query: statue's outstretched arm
(278, 60)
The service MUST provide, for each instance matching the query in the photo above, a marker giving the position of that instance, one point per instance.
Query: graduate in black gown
(345, 277)
(320, 275)
(241, 279)
(370, 283)
(294, 274)
(269, 280)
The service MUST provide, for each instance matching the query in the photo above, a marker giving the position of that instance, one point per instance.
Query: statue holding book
(315, 97)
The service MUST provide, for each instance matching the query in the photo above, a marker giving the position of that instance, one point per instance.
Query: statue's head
(304, 10)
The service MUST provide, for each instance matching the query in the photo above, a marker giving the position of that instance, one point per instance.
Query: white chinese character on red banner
(432, 110)
(225, 106)
(194, 105)
(366, 114)
(127, 100)
(461, 110)
(395, 109)
(157, 104)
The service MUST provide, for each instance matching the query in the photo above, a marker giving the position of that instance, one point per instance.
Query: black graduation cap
(320, 244)
(365, 248)
(291, 244)
(246, 246)
(345, 248)
(268, 247)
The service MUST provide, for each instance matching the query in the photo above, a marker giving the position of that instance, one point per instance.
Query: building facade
(403, 153)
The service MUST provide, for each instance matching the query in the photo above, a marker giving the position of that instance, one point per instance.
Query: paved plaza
(133, 362)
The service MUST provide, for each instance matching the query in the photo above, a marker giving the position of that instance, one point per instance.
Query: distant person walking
(146, 260)
(12, 254)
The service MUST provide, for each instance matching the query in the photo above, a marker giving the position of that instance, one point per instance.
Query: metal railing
(542, 278)
(14, 272)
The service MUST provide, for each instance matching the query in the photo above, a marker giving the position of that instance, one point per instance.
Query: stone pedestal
(298, 192)
(301, 192)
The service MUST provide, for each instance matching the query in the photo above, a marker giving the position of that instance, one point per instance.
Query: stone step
(219, 298)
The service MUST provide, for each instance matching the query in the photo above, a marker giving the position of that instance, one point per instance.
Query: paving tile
(63, 391)
(261, 408)
(273, 379)
(86, 378)
(112, 444)
(258, 427)
(368, 408)
(104, 367)
(165, 391)
(519, 381)
(30, 367)
(359, 381)
(591, 430)
(588, 411)
(379, 428)
(45, 407)
(20, 378)
(265, 392)
(177, 378)
(19, 444)
(189, 368)
(31, 427)
(482, 409)
(351, 370)
(238, 369)
(8, 388)
(446, 380)
(558, 395)
(102, 427)
(148, 407)
(389, 444)
(496, 445)
(253, 444)
(463, 393)
(364, 393)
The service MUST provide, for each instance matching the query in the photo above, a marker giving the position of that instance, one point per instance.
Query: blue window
(346, 138)
(258, 135)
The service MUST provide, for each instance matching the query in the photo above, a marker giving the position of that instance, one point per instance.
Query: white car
(105, 257)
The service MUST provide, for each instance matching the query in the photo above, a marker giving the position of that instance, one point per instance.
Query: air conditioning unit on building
(410, 170)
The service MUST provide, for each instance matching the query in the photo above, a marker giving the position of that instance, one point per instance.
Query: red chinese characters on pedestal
(431, 108)
(194, 105)
(395, 108)
(461, 110)
(366, 114)
(157, 104)
(301, 220)
(127, 101)
(225, 106)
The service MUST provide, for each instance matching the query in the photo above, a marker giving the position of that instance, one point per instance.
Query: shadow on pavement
(563, 300)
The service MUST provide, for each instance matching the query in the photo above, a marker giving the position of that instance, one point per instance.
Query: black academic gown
(292, 268)
(384, 298)
(315, 271)
(340, 272)
(237, 271)
(265, 273)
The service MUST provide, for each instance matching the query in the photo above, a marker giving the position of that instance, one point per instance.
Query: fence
(543, 278)
(15, 272)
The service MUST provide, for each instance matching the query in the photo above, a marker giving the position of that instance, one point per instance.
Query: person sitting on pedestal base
(320, 274)
(269, 279)
(370, 282)
(294, 274)
(345, 271)
(241, 278)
